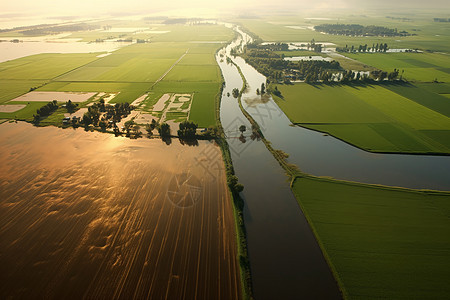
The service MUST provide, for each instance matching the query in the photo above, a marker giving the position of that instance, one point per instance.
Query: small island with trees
(359, 30)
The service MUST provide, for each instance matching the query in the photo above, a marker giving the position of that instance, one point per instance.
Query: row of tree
(364, 48)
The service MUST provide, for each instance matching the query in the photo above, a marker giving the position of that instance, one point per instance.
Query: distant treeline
(399, 18)
(313, 46)
(272, 47)
(441, 19)
(25, 27)
(59, 29)
(359, 30)
(364, 48)
(191, 21)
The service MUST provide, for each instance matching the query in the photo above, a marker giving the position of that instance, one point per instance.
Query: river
(286, 261)
(322, 155)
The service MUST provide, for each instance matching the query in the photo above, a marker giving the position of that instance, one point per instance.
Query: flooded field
(58, 96)
(10, 51)
(88, 215)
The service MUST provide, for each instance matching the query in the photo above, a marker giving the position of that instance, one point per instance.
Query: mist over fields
(69, 9)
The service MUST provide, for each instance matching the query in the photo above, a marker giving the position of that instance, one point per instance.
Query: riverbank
(238, 205)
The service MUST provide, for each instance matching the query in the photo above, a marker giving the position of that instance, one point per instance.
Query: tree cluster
(233, 183)
(43, 30)
(314, 70)
(150, 126)
(164, 130)
(271, 46)
(359, 30)
(235, 92)
(441, 19)
(188, 130)
(70, 106)
(45, 111)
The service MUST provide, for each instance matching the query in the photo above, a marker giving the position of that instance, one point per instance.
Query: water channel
(286, 261)
(322, 155)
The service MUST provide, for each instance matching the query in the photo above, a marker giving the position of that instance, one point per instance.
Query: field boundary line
(170, 69)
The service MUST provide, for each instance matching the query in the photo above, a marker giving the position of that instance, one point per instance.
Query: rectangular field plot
(422, 67)
(304, 103)
(43, 66)
(50, 96)
(374, 118)
(198, 59)
(183, 73)
(382, 242)
(11, 89)
(127, 92)
(203, 107)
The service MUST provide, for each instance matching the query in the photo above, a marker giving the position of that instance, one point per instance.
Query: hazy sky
(102, 7)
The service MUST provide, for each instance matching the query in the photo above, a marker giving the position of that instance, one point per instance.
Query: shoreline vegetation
(238, 205)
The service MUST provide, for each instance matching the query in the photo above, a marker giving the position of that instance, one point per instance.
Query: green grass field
(183, 59)
(421, 67)
(25, 113)
(43, 66)
(374, 118)
(383, 243)
(11, 89)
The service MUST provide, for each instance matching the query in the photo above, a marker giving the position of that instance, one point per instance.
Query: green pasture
(197, 73)
(423, 96)
(374, 118)
(43, 66)
(25, 113)
(132, 71)
(195, 59)
(382, 243)
(11, 89)
(424, 67)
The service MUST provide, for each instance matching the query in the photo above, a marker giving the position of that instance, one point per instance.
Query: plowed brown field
(88, 215)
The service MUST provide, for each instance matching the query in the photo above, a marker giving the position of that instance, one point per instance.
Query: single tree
(242, 128)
